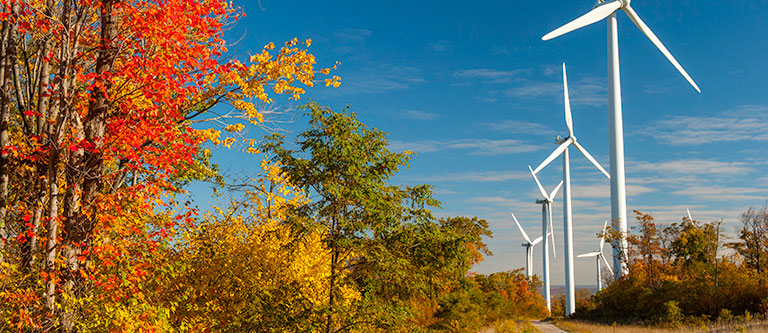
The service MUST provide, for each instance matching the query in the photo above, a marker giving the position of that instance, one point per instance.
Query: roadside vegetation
(317, 240)
(685, 276)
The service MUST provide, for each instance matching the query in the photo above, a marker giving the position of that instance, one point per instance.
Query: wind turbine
(546, 221)
(689, 214)
(607, 9)
(600, 256)
(528, 247)
(570, 293)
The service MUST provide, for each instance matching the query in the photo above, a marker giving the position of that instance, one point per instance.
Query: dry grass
(735, 326)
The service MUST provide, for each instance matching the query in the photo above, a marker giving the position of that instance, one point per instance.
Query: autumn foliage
(105, 117)
(97, 102)
(686, 272)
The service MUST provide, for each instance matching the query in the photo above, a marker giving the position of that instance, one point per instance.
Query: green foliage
(725, 315)
(382, 237)
(485, 299)
(672, 315)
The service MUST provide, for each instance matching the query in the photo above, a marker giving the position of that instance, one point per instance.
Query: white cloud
(441, 45)
(345, 36)
(474, 146)
(724, 193)
(603, 191)
(587, 91)
(520, 127)
(380, 79)
(489, 75)
(696, 167)
(745, 123)
(420, 115)
(473, 176)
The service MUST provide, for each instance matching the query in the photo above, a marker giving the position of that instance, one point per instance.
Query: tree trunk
(5, 110)
(334, 268)
(43, 99)
(85, 171)
(57, 117)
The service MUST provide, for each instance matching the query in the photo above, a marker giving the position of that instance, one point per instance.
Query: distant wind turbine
(607, 9)
(528, 248)
(546, 229)
(600, 257)
(562, 149)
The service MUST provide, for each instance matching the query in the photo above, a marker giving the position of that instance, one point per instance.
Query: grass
(732, 326)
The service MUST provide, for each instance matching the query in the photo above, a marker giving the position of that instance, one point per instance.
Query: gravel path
(546, 327)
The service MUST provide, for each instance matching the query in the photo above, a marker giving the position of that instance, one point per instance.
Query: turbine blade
(552, 229)
(655, 40)
(559, 150)
(602, 239)
(590, 158)
(525, 236)
(541, 188)
(587, 255)
(567, 103)
(596, 14)
(537, 240)
(554, 192)
(689, 214)
(607, 264)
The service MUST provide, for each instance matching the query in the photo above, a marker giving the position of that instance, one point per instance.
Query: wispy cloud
(380, 79)
(697, 167)
(519, 127)
(474, 146)
(474, 176)
(441, 45)
(745, 123)
(345, 36)
(587, 91)
(419, 115)
(602, 191)
(488, 75)
(724, 193)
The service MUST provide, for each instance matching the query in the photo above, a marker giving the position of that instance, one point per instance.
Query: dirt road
(546, 327)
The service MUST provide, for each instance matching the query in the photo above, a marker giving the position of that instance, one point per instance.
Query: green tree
(693, 241)
(384, 236)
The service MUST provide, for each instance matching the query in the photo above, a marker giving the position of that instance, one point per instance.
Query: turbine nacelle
(624, 3)
(532, 244)
(549, 198)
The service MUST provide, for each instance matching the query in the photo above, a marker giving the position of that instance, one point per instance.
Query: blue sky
(472, 89)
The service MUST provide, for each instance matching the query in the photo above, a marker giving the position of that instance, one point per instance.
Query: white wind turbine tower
(600, 257)
(607, 9)
(570, 305)
(528, 248)
(546, 229)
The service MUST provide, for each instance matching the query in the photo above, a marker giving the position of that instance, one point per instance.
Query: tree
(97, 99)
(754, 239)
(646, 248)
(694, 242)
(382, 238)
(245, 269)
